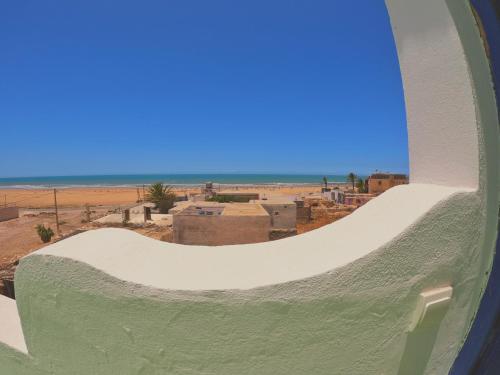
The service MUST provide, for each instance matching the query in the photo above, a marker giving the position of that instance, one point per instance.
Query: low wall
(303, 214)
(8, 213)
(220, 230)
(283, 215)
(113, 302)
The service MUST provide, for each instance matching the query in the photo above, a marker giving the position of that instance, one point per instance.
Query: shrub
(228, 199)
(165, 205)
(44, 233)
(162, 196)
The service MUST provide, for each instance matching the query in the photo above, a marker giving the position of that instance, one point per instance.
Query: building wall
(220, 230)
(303, 214)
(8, 213)
(283, 215)
(379, 185)
(357, 199)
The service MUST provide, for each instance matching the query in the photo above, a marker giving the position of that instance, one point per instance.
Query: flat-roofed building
(283, 212)
(215, 224)
(380, 182)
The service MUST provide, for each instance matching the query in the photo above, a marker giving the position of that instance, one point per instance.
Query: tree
(351, 177)
(361, 186)
(44, 233)
(325, 181)
(162, 196)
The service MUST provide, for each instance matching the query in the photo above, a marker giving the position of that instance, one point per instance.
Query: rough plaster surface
(319, 324)
(339, 300)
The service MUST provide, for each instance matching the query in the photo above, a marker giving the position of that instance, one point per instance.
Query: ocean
(171, 179)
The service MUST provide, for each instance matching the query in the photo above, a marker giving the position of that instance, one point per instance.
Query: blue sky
(277, 86)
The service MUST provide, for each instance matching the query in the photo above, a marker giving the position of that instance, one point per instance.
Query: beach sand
(78, 197)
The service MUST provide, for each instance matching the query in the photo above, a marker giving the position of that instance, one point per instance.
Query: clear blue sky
(111, 87)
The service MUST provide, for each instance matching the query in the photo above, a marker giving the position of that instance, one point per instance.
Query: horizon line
(203, 173)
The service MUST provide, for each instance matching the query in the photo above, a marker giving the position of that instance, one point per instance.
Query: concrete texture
(227, 224)
(283, 212)
(283, 307)
(338, 300)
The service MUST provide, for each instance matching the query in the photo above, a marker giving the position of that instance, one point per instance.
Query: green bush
(162, 196)
(165, 205)
(44, 233)
(228, 199)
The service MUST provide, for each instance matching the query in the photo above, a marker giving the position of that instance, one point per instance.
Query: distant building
(357, 199)
(208, 191)
(380, 182)
(303, 212)
(214, 224)
(335, 195)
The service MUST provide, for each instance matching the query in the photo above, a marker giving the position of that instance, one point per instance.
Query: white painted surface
(440, 105)
(135, 258)
(429, 301)
(11, 332)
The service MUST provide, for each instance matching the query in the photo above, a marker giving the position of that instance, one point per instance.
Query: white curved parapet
(109, 301)
(349, 298)
(131, 257)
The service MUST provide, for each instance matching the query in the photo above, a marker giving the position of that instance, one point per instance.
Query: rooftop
(223, 209)
(397, 176)
(280, 200)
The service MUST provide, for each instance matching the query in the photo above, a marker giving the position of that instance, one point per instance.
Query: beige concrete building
(380, 182)
(283, 212)
(216, 224)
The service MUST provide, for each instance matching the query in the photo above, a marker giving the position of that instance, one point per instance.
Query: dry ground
(18, 237)
(77, 197)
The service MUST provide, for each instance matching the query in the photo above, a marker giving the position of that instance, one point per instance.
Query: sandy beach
(111, 196)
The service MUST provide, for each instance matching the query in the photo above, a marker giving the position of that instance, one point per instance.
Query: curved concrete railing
(137, 259)
(355, 297)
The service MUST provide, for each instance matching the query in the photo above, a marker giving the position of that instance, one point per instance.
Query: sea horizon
(174, 179)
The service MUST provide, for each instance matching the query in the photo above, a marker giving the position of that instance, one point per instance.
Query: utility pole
(87, 212)
(57, 215)
(143, 195)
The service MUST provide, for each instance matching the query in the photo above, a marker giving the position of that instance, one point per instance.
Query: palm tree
(351, 177)
(162, 196)
(325, 181)
(361, 185)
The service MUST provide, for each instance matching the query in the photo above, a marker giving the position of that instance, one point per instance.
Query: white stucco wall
(441, 116)
(338, 300)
